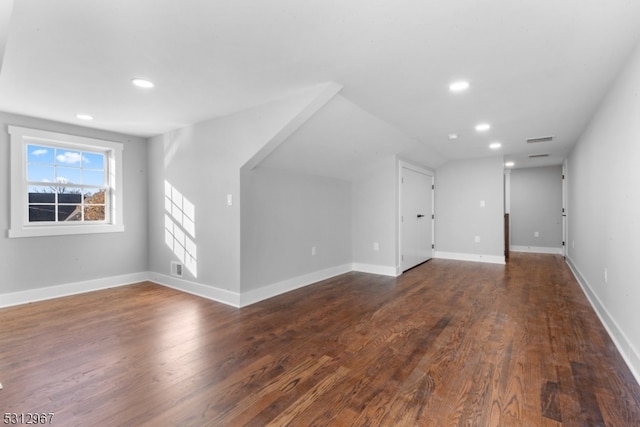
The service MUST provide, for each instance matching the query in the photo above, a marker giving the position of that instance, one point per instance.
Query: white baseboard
(492, 259)
(536, 249)
(209, 292)
(383, 270)
(224, 296)
(50, 292)
(629, 353)
(274, 289)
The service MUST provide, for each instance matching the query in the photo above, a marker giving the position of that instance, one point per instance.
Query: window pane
(39, 194)
(42, 213)
(93, 161)
(40, 154)
(91, 177)
(94, 213)
(94, 197)
(40, 173)
(94, 205)
(70, 196)
(68, 175)
(65, 157)
(69, 213)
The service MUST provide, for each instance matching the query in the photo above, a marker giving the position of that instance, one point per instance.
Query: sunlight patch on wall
(172, 142)
(180, 227)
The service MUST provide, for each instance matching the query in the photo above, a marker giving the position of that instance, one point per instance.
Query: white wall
(286, 214)
(460, 186)
(375, 218)
(39, 262)
(536, 206)
(604, 211)
(203, 163)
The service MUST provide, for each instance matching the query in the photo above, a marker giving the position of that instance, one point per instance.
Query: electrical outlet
(536, 234)
(477, 239)
(314, 250)
(376, 246)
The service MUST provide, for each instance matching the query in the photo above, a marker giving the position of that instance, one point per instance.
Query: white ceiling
(536, 68)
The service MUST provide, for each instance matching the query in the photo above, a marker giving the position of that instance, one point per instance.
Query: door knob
(420, 215)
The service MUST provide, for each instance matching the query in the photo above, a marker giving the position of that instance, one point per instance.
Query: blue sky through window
(61, 165)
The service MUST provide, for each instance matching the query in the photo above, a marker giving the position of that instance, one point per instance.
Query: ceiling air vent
(535, 156)
(539, 139)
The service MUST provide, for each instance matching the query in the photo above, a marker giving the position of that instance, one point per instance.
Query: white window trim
(19, 225)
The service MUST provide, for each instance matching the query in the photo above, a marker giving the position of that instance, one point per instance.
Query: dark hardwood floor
(447, 343)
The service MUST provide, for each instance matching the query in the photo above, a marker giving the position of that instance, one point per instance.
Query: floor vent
(539, 139)
(176, 269)
(535, 156)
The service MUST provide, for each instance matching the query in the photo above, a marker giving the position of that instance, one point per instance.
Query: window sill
(39, 231)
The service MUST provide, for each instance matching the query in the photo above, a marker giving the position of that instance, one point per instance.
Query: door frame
(404, 164)
(565, 209)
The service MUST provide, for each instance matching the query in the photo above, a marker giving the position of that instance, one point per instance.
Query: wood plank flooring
(446, 344)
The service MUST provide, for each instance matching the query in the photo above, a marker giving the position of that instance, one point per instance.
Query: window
(64, 184)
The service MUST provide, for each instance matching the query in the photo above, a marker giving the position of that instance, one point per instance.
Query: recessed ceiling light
(509, 164)
(495, 145)
(452, 136)
(146, 84)
(482, 127)
(84, 117)
(459, 86)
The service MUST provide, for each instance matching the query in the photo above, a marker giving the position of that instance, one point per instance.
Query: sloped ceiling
(342, 140)
(5, 17)
(536, 67)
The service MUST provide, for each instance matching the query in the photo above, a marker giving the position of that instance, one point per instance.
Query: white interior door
(416, 219)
